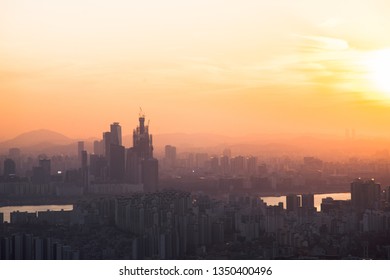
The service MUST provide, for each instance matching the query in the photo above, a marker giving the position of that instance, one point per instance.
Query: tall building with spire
(141, 167)
(142, 141)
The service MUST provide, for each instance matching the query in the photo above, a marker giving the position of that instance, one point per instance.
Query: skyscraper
(106, 144)
(80, 149)
(141, 167)
(114, 153)
(170, 156)
(15, 155)
(142, 141)
(116, 134)
(84, 169)
(98, 148)
(117, 163)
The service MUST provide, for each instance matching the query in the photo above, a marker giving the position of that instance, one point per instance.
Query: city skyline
(224, 67)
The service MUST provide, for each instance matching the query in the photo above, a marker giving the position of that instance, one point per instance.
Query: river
(274, 200)
(31, 209)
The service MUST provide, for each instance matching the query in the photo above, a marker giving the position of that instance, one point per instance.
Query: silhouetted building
(98, 165)
(73, 176)
(15, 155)
(98, 147)
(84, 169)
(38, 175)
(150, 174)
(225, 165)
(237, 165)
(106, 144)
(133, 169)
(170, 156)
(9, 167)
(80, 149)
(214, 165)
(41, 174)
(365, 194)
(141, 167)
(293, 202)
(308, 201)
(116, 134)
(142, 141)
(251, 165)
(46, 166)
(117, 163)
(201, 159)
(262, 170)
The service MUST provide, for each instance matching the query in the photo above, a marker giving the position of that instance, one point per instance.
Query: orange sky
(226, 67)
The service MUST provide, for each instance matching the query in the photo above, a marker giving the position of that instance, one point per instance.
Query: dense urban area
(124, 203)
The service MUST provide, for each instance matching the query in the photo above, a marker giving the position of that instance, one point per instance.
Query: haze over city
(194, 130)
(225, 67)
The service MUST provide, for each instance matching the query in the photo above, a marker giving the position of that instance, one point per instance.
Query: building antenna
(141, 113)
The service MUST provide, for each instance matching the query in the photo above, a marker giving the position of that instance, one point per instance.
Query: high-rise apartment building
(170, 156)
(293, 202)
(365, 194)
(80, 149)
(9, 167)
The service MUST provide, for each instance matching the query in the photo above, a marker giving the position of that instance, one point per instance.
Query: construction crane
(141, 113)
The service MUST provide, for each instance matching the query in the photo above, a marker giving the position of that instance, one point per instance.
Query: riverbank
(38, 201)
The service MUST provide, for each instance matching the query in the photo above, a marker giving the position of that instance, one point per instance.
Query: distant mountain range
(37, 137)
(47, 141)
(41, 141)
(50, 142)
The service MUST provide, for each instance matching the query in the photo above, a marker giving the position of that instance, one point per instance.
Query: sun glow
(378, 67)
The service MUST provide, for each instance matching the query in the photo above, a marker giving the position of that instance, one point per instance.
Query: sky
(224, 67)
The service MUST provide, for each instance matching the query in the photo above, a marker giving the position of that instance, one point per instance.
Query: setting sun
(378, 64)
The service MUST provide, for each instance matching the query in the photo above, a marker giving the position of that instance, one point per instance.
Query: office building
(116, 134)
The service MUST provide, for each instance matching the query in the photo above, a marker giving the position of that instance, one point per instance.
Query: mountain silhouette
(41, 137)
